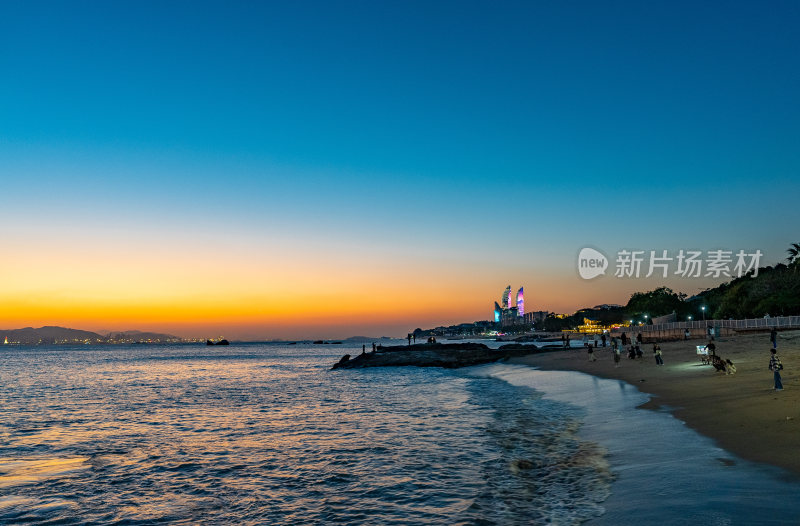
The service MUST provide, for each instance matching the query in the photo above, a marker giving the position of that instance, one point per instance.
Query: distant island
(52, 335)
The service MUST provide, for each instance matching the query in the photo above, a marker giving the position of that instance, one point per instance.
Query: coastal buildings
(535, 316)
(510, 311)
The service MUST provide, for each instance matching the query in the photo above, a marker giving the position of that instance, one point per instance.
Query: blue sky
(457, 128)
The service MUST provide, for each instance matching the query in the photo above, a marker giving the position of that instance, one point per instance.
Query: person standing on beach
(603, 339)
(773, 337)
(616, 356)
(592, 357)
(563, 341)
(409, 338)
(639, 338)
(657, 354)
(568, 341)
(776, 366)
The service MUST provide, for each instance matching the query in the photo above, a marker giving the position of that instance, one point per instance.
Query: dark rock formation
(343, 361)
(449, 355)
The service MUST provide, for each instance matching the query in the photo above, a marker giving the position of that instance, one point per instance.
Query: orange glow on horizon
(257, 294)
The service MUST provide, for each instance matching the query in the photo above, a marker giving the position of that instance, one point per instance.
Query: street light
(690, 318)
(703, 308)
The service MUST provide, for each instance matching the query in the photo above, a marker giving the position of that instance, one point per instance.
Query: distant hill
(61, 335)
(50, 334)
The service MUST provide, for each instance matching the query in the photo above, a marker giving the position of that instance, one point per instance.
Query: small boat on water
(220, 342)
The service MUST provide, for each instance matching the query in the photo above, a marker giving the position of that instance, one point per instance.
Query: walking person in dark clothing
(776, 366)
(639, 338)
(624, 338)
(773, 337)
(603, 339)
(657, 354)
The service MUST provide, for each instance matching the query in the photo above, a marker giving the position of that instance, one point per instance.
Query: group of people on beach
(634, 348)
(634, 351)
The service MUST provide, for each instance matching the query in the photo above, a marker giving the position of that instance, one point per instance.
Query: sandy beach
(741, 412)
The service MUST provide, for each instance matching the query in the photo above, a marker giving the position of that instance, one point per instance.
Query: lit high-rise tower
(505, 301)
(520, 303)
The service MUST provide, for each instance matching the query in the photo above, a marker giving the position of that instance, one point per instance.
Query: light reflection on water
(259, 434)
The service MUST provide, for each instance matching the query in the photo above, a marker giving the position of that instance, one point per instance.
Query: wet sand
(741, 412)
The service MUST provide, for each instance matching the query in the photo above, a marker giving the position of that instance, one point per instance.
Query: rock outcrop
(448, 355)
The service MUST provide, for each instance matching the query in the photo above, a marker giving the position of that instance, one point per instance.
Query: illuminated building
(535, 316)
(511, 310)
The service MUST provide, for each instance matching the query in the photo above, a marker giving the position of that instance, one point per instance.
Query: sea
(266, 433)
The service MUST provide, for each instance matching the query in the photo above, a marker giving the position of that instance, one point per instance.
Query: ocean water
(267, 434)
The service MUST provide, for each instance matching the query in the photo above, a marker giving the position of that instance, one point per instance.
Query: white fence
(779, 322)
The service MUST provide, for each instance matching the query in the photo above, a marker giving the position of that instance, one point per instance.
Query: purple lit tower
(520, 303)
(506, 298)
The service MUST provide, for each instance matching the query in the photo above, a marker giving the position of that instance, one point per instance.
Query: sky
(326, 169)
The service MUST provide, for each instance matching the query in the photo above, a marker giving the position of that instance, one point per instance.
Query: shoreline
(741, 412)
(662, 471)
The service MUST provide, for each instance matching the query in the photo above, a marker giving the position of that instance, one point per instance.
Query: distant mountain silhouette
(54, 335)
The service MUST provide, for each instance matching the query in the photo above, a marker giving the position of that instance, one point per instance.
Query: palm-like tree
(794, 253)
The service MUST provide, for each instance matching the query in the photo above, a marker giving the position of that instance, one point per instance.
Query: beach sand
(741, 412)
